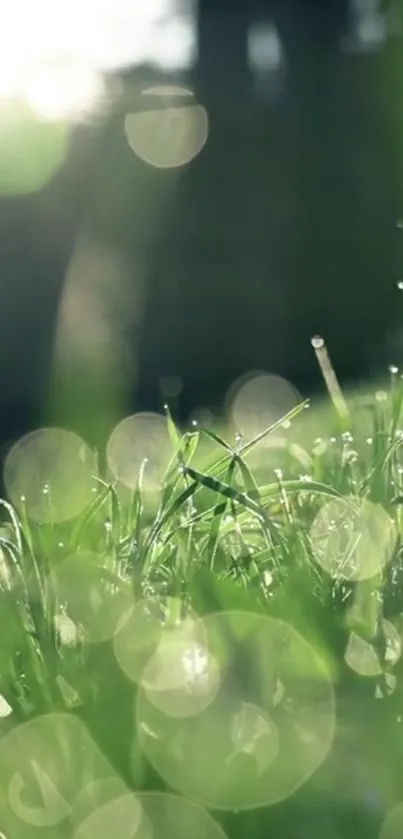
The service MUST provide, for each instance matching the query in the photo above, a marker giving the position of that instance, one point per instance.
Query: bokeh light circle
(123, 814)
(147, 625)
(52, 470)
(182, 678)
(94, 598)
(258, 400)
(171, 135)
(268, 729)
(107, 807)
(362, 657)
(139, 446)
(352, 538)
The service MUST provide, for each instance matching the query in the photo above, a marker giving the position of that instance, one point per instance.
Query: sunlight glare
(64, 92)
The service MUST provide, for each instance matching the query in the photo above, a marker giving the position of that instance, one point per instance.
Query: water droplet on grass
(317, 342)
(400, 285)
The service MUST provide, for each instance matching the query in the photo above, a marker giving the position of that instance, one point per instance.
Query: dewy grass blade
(225, 490)
(218, 515)
(15, 523)
(93, 508)
(219, 466)
(160, 523)
(173, 432)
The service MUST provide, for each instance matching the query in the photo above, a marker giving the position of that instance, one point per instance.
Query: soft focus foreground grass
(230, 529)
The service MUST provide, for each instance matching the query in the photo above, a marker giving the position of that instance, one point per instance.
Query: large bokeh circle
(267, 729)
(51, 473)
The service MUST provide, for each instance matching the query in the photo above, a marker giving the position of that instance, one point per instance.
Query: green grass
(230, 529)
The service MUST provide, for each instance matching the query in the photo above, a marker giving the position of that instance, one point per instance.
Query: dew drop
(393, 369)
(400, 285)
(317, 342)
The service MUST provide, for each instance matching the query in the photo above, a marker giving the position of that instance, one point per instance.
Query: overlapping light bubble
(110, 808)
(147, 625)
(31, 152)
(122, 815)
(182, 678)
(50, 472)
(254, 744)
(352, 538)
(42, 766)
(171, 817)
(169, 134)
(362, 656)
(139, 446)
(258, 400)
(95, 600)
(392, 825)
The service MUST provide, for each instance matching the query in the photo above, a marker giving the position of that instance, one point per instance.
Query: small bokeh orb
(171, 130)
(352, 538)
(147, 625)
(268, 728)
(94, 599)
(51, 473)
(139, 450)
(258, 400)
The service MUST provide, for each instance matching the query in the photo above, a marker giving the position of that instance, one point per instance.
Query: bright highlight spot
(52, 470)
(5, 708)
(181, 679)
(139, 446)
(170, 134)
(147, 625)
(352, 538)
(254, 744)
(63, 92)
(102, 35)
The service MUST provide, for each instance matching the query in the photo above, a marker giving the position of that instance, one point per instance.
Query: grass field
(301, 527)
